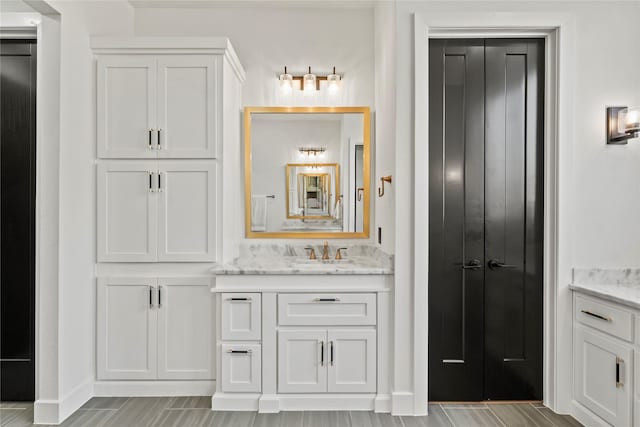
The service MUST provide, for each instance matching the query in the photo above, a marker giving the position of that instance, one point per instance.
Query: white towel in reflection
(258, 213)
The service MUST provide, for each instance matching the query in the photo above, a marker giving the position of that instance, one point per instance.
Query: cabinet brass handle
(239, 351)
(596, 315)
(619, 363)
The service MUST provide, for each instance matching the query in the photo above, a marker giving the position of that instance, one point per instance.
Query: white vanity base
(333, 331)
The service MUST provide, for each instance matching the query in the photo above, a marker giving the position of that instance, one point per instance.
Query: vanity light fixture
(623, 124)
(312, 150)
(309, 81)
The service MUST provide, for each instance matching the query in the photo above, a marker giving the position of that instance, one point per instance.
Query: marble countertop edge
(619, 293)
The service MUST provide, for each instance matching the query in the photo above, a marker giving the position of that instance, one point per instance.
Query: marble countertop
(294, 260)
(621, 286)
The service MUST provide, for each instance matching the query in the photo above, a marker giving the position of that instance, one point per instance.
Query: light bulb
(309, 81)
(333, 81)
(632, 119)
(286, 82)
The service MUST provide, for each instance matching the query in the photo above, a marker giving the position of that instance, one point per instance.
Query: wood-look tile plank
(292, 418)
(225, 418)
(181, 417)
(436, 418)
(372, 419)
(139, 412)
(520, 415)
(105, 403)
(558, 419)
(90, 417)
(268, 420)
(470, 417)
(316, 419)
(190, 402)
(16, 417)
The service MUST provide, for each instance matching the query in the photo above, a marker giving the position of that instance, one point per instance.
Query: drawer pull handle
(238, 299)
(596, 315)
(619, 362)
(331, 353)
(321, 353)
(239, 351)
(326, 299)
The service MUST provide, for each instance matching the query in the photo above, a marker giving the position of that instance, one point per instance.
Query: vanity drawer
(241, 368)
(327, 309)
(606, 318)
(241, 316)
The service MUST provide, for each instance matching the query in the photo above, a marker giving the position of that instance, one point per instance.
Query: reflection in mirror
(314, 161)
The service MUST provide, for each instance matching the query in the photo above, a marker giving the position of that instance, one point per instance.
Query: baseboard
(382, 403)
(269, 404)
(586, 417)
(56, 411)
(327, 402)
(235, 402)
(402, 403)
(153, 388)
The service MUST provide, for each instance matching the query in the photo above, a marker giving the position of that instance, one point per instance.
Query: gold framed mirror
(307, 172)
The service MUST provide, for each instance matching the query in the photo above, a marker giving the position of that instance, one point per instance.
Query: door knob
(494, 263)
(474, 264)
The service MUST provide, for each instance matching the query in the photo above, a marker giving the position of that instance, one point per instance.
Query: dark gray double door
(485, 219)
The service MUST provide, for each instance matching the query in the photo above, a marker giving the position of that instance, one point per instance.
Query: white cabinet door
(241, 368)
(302, 361)
(127, 211)
(241, 316)
(187, 215)
(185, 329)
(187, 110)
(352, 361)
(126, 106)
(127, 325)
(602, 376)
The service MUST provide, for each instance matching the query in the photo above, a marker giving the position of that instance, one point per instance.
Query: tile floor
(194, 411)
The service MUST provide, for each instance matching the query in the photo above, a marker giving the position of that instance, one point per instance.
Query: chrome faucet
(325, 251)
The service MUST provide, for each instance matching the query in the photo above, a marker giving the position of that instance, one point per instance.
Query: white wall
(268, 38)
(605, 197)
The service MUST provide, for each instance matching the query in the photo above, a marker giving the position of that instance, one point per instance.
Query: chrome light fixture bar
(310, 80)
(623, 124)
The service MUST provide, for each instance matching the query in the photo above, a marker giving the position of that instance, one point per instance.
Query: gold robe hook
(383, 179)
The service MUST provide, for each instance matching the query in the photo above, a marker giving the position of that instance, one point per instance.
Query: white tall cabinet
(165, 109)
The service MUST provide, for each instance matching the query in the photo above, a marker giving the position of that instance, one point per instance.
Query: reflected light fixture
(312, 150)
(286, 81)
(309, 81)
(623, 124)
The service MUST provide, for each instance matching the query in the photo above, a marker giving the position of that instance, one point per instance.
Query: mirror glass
(307, 172)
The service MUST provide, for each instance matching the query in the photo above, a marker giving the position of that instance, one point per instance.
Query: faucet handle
(312, 254)
(339, 254)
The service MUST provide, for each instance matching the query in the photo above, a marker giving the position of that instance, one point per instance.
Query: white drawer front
(606, 318)
(241, 316)
(327, 309)
(241, 368)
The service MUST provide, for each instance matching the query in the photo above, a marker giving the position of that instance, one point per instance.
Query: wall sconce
(309, 80)
(312, 150)
(623, 124)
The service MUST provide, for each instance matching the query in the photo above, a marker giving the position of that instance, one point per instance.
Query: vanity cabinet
(154, 211)
(603, 359)
(327, 360)
(158, 106)
(155, 328)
